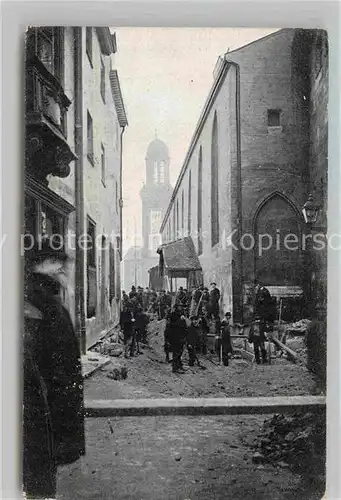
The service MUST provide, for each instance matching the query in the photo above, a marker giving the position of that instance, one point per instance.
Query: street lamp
(310, 213)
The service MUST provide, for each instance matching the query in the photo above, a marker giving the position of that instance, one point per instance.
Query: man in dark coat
(177, 334)
(53, 418)
(169, 301)
(192, 340)
(203, 334)
(162, 304)
(263, 302)
(146, 294)
(214, 301)
(257, 338)
(181, 297)
(139, 296)
(126, 324)
(223, 342)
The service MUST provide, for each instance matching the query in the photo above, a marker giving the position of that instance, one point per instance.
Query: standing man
(162, 305)
(224, 344)
(126, 324)
(177, 334)
(263, 302)
(132, 292)
(257, 338)
(192, 340)
(214, 301)
(139, 296)
(53, 416)
(146, 299)
(168, 301)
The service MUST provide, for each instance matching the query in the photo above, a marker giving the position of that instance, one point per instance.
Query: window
(112, 264)
(46, 47)
(89, 44)
(103, 164)
(189, 221)
(52, 224)
(159, 172)
(182, 213)
(47, 44)
(199, 228)
(154, 242)
(274, 117)
(155, 172)
(162, 172)
(90, 150)
(102, 80)
(91, 270)
(91, 247)
(214, 184)
(155, 221)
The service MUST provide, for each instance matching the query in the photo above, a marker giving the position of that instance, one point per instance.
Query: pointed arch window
(199, 228)
(214, 184)
(189, 204)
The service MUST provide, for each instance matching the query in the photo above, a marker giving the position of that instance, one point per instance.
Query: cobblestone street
(179, 458)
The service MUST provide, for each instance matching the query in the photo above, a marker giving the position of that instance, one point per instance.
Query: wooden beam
(203, 406)
(293, 356)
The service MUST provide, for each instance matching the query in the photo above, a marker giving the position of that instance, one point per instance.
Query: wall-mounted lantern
(310, 210)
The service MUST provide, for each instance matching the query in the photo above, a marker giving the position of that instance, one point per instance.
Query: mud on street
(183, 458)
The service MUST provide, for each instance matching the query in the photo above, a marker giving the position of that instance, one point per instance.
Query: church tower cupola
(155, 195)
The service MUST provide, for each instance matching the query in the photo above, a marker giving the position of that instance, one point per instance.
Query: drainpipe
(239, 180)
(121, 193)
(79, 189)
(121, 205)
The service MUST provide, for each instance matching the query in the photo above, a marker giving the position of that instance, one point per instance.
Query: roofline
(207, 107)
(117, 96)
(107, 41)
(260, 39)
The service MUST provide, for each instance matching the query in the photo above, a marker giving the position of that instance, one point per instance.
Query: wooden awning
(179, 257)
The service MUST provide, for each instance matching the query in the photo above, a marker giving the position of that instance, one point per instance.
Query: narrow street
(179, 458)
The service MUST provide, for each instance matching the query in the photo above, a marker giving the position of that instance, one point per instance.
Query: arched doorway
(281, 263)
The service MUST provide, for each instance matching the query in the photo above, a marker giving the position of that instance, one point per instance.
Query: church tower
(155, 196)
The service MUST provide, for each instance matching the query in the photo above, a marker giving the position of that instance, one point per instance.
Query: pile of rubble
(297, 442)
(118, 373)
(300, 328)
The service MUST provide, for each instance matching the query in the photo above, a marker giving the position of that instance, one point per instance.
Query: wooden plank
(294, 357)
(203, 406)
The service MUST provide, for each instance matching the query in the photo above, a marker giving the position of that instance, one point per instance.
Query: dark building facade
(74, 124)
(259, 150)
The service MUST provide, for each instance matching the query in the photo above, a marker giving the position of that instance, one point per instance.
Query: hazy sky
(166, 75)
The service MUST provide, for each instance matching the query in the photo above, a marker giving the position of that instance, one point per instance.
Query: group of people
(190, 316)
(181, 332)
(188, 324)
(133, 321)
